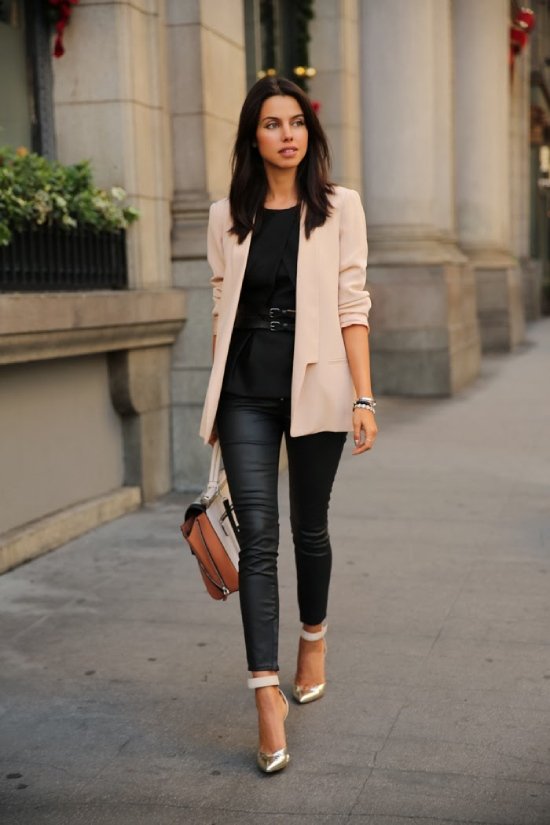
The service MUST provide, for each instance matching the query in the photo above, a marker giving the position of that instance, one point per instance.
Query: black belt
(275, 320)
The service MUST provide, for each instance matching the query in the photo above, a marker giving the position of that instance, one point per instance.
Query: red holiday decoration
(525, 19)
(60, 13)
(521, 26)
(518, 39)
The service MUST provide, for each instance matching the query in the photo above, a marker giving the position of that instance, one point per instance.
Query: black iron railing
(50, 259)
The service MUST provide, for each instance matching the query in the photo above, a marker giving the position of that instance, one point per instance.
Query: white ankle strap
(262, 681)
(314, 637)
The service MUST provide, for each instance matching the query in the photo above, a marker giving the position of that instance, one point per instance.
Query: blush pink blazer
(330, 294)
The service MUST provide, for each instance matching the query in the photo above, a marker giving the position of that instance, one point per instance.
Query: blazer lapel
(234, 278)
(306, 345)
(239, 257)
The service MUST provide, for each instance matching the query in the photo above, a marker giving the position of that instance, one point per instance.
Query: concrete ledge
(45, 534)
(70, 343)
(57, 325)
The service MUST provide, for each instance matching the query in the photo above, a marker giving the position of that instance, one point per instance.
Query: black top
(259, 362)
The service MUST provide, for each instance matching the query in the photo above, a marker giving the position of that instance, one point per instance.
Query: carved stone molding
(189, 222)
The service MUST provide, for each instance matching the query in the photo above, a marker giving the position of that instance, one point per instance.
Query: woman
(288, 253)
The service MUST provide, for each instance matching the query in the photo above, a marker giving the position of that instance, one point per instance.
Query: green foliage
(35, 191)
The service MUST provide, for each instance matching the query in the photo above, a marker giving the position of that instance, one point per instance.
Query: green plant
(35, 191)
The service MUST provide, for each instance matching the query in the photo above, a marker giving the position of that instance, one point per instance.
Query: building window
(26, 105)
(277, 39)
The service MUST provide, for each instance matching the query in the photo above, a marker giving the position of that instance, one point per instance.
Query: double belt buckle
(274, 324)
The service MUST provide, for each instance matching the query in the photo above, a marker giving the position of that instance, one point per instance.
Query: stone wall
(86, 375)
(61, 438)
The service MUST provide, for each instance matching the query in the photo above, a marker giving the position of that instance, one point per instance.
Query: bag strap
(211, 490)
(215, 463)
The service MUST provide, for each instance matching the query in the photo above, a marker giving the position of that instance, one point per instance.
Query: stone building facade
(101, 394)
(427, 121)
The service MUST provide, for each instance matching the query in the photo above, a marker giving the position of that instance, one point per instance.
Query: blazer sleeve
(215, 256)
(354, 301)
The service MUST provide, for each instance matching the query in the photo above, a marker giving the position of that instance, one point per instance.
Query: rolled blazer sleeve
(354, 301)
(215, 256)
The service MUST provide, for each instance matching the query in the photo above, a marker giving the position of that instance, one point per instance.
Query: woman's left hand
(364, 430)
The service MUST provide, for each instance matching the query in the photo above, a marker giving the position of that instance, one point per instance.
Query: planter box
(50, 259)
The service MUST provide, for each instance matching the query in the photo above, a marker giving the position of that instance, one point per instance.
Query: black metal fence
(50, 259)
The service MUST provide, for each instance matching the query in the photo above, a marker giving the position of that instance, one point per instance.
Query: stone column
(334, 52)
(424, 333)
(208, 86)
(482, 171)
(520, 172)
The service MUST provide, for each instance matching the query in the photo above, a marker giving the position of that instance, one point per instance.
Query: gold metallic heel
(304, 695)
(271, 762)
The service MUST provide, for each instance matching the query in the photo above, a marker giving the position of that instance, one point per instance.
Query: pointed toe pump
(304, 695)
(279, 759)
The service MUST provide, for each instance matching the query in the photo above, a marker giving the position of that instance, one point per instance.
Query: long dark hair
(249, 182)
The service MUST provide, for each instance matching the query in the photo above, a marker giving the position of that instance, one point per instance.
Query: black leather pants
(250, 432)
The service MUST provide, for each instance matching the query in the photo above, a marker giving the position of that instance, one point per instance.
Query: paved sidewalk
(122, 685)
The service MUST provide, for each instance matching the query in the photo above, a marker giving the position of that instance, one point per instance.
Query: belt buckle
(274, 325)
